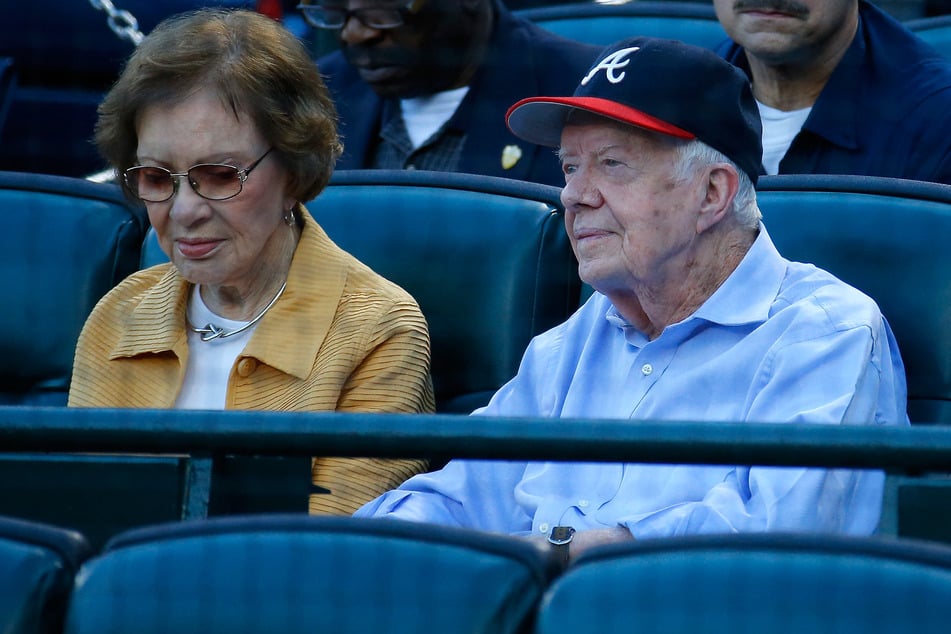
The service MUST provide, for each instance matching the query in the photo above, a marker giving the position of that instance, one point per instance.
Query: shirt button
(246, 367)
(583, 504)
(646, 369)
(543, 528)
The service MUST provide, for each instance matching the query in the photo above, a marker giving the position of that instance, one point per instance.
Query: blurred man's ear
(722, 184)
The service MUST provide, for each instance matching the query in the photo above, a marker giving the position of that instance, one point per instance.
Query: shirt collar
(744, 297)
(748, 293)
(292, 334)
(837, 112)
(156, 324)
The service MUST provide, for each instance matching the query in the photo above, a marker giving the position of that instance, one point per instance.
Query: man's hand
(585, 539)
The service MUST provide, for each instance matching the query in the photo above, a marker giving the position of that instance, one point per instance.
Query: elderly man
(696, 316)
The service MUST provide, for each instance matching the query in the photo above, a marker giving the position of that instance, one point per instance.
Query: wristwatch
(560, 539)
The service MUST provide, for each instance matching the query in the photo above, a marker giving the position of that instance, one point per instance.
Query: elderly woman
(221, 125)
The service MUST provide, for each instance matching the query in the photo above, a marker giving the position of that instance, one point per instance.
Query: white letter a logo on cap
(610, 65)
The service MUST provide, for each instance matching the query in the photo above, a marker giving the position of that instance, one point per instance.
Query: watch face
(561, 535)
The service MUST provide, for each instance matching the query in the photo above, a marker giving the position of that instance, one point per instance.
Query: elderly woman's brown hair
(260, 70)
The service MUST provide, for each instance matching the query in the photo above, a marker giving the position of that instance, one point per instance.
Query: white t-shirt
(209, 362)
(423, 116)
(779, 130)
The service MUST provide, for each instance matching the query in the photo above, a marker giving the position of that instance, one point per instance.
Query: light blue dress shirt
(778, 342)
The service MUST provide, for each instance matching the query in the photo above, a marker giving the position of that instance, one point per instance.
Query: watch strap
(560, 539)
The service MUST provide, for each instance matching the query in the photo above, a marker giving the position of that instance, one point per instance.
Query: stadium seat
(741, 584)
(487, 259)
(38, 563)
(64, 242)
(596, 23)
(935, 30)
(295, 574)
(890, 239)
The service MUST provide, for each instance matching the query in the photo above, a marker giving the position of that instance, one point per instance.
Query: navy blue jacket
(885, 111)
(524, 60)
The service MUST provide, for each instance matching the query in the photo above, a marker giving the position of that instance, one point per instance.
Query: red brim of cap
(540, 120)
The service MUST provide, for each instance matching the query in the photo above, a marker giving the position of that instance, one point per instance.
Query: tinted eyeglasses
(212, 181)
(335, 17)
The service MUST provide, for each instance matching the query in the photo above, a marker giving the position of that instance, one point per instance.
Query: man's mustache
(783, 6)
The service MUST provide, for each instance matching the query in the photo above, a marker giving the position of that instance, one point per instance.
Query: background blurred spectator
(426, 85)
(842, 88)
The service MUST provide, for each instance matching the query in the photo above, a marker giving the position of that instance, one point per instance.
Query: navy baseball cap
(661, 85)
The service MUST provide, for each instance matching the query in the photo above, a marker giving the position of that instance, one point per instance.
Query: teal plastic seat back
(37, 566)
(297, 574)
(745, 584)
(935, 30)
(487, 259)
(64, 242)
(603, 24)
(889, 238)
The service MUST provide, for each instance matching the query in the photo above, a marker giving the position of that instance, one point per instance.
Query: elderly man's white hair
(695, 153)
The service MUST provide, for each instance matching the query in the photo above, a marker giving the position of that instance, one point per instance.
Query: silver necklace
(210, 332)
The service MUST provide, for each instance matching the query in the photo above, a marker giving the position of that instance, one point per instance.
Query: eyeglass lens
(157, 184)
(214, 181)
(336, 17)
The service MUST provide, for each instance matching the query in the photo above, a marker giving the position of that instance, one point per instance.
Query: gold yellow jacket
(340, 338)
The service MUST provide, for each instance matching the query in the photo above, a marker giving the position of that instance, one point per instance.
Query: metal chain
(126, 27)
(122, 23)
